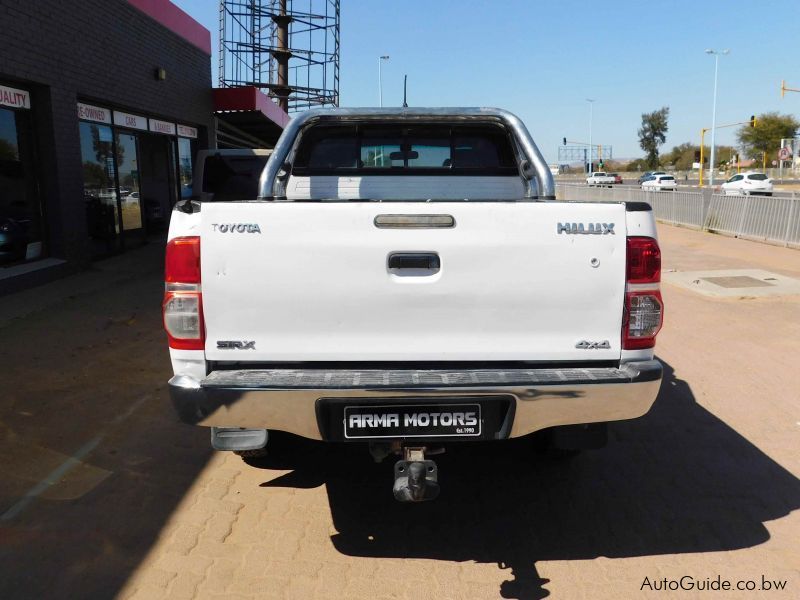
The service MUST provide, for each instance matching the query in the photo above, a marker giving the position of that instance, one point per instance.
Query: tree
(653, 133)
(766, 135)
(95, 176)
(682, 156)
(677, 157)
(102, 149)
(637, 164)
(8, 151)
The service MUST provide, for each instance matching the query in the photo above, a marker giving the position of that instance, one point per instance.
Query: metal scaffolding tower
(289, 48)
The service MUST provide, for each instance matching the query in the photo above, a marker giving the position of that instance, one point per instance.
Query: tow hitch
(415, 478)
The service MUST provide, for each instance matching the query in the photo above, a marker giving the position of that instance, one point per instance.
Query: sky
(542, 59)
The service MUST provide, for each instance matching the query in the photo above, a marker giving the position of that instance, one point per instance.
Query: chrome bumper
(286, 399)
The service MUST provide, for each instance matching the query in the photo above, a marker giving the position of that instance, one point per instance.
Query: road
(689, 186)
(103, 495)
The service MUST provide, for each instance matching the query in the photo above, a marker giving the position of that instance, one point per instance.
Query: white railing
(771, 219)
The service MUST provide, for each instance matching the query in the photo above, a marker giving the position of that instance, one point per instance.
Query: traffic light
(564, 141)
(602, 164)
(752, 120)
(697, 156)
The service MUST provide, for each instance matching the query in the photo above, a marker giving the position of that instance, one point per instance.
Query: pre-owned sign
(88, 112)
(14, 98)
(162, 127)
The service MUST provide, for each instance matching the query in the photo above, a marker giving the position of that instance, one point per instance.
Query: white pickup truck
(600, 178)
(406, 279)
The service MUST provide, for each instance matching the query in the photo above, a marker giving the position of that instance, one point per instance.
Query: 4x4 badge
(586, 345)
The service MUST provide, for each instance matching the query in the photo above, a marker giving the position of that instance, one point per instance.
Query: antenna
(405, 84)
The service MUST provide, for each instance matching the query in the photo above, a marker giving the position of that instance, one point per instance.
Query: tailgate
(317, 281)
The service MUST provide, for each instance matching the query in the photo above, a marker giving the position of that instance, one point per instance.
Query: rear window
(667, 178)
(405, 150)
(233, 177)
(757, 177)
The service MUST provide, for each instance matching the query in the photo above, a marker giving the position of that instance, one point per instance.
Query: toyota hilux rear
(406, 279)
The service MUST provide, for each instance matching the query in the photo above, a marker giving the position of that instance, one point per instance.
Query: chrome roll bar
(272, 183)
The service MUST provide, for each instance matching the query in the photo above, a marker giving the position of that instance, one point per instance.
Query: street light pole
(714, 113)
(380, 82)
(591, 118)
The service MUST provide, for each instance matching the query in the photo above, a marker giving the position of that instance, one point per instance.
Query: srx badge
(236, 345)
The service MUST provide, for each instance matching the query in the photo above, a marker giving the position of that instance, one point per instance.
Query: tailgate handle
(414, 263)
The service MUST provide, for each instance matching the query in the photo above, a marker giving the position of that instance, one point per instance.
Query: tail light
(644, 308)
(183, 298)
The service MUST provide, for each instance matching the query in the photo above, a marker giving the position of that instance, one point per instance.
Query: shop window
(20, 209)
(185, 166)
(99, 185)
(129, 189)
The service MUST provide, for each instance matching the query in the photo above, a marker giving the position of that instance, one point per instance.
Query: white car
(747, 184)
(600, 178)
(370, 315)
(659, 183)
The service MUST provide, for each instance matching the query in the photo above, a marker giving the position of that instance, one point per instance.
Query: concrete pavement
(704, 485)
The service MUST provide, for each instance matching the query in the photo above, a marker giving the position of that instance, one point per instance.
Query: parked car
(132, 197)
(617, 177)
(600, 178)
(13, 240)
(647, 174)
(300, 316)
(660, 183)
(750, 183)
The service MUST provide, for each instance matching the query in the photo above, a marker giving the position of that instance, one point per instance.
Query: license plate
(412, 421)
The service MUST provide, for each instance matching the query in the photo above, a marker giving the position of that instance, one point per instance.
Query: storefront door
(157, 180)
(129, 188)
(100, 187)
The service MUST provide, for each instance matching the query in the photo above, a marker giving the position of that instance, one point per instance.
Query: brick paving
(706, 484)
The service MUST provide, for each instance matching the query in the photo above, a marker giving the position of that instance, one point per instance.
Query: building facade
(103, 104)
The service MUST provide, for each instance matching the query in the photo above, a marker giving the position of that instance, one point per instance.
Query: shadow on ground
(84, 367)
(678, 480)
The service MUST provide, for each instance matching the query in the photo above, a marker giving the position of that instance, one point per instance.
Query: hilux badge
(586, 228)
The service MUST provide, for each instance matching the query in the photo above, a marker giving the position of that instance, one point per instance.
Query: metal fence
(771, 219)
(775, 220)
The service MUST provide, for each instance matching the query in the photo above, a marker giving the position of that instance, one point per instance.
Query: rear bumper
(288, 399)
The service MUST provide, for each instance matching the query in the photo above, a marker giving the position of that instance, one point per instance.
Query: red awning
(252, 111)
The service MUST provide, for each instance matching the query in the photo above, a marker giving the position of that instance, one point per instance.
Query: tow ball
(415, 478)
